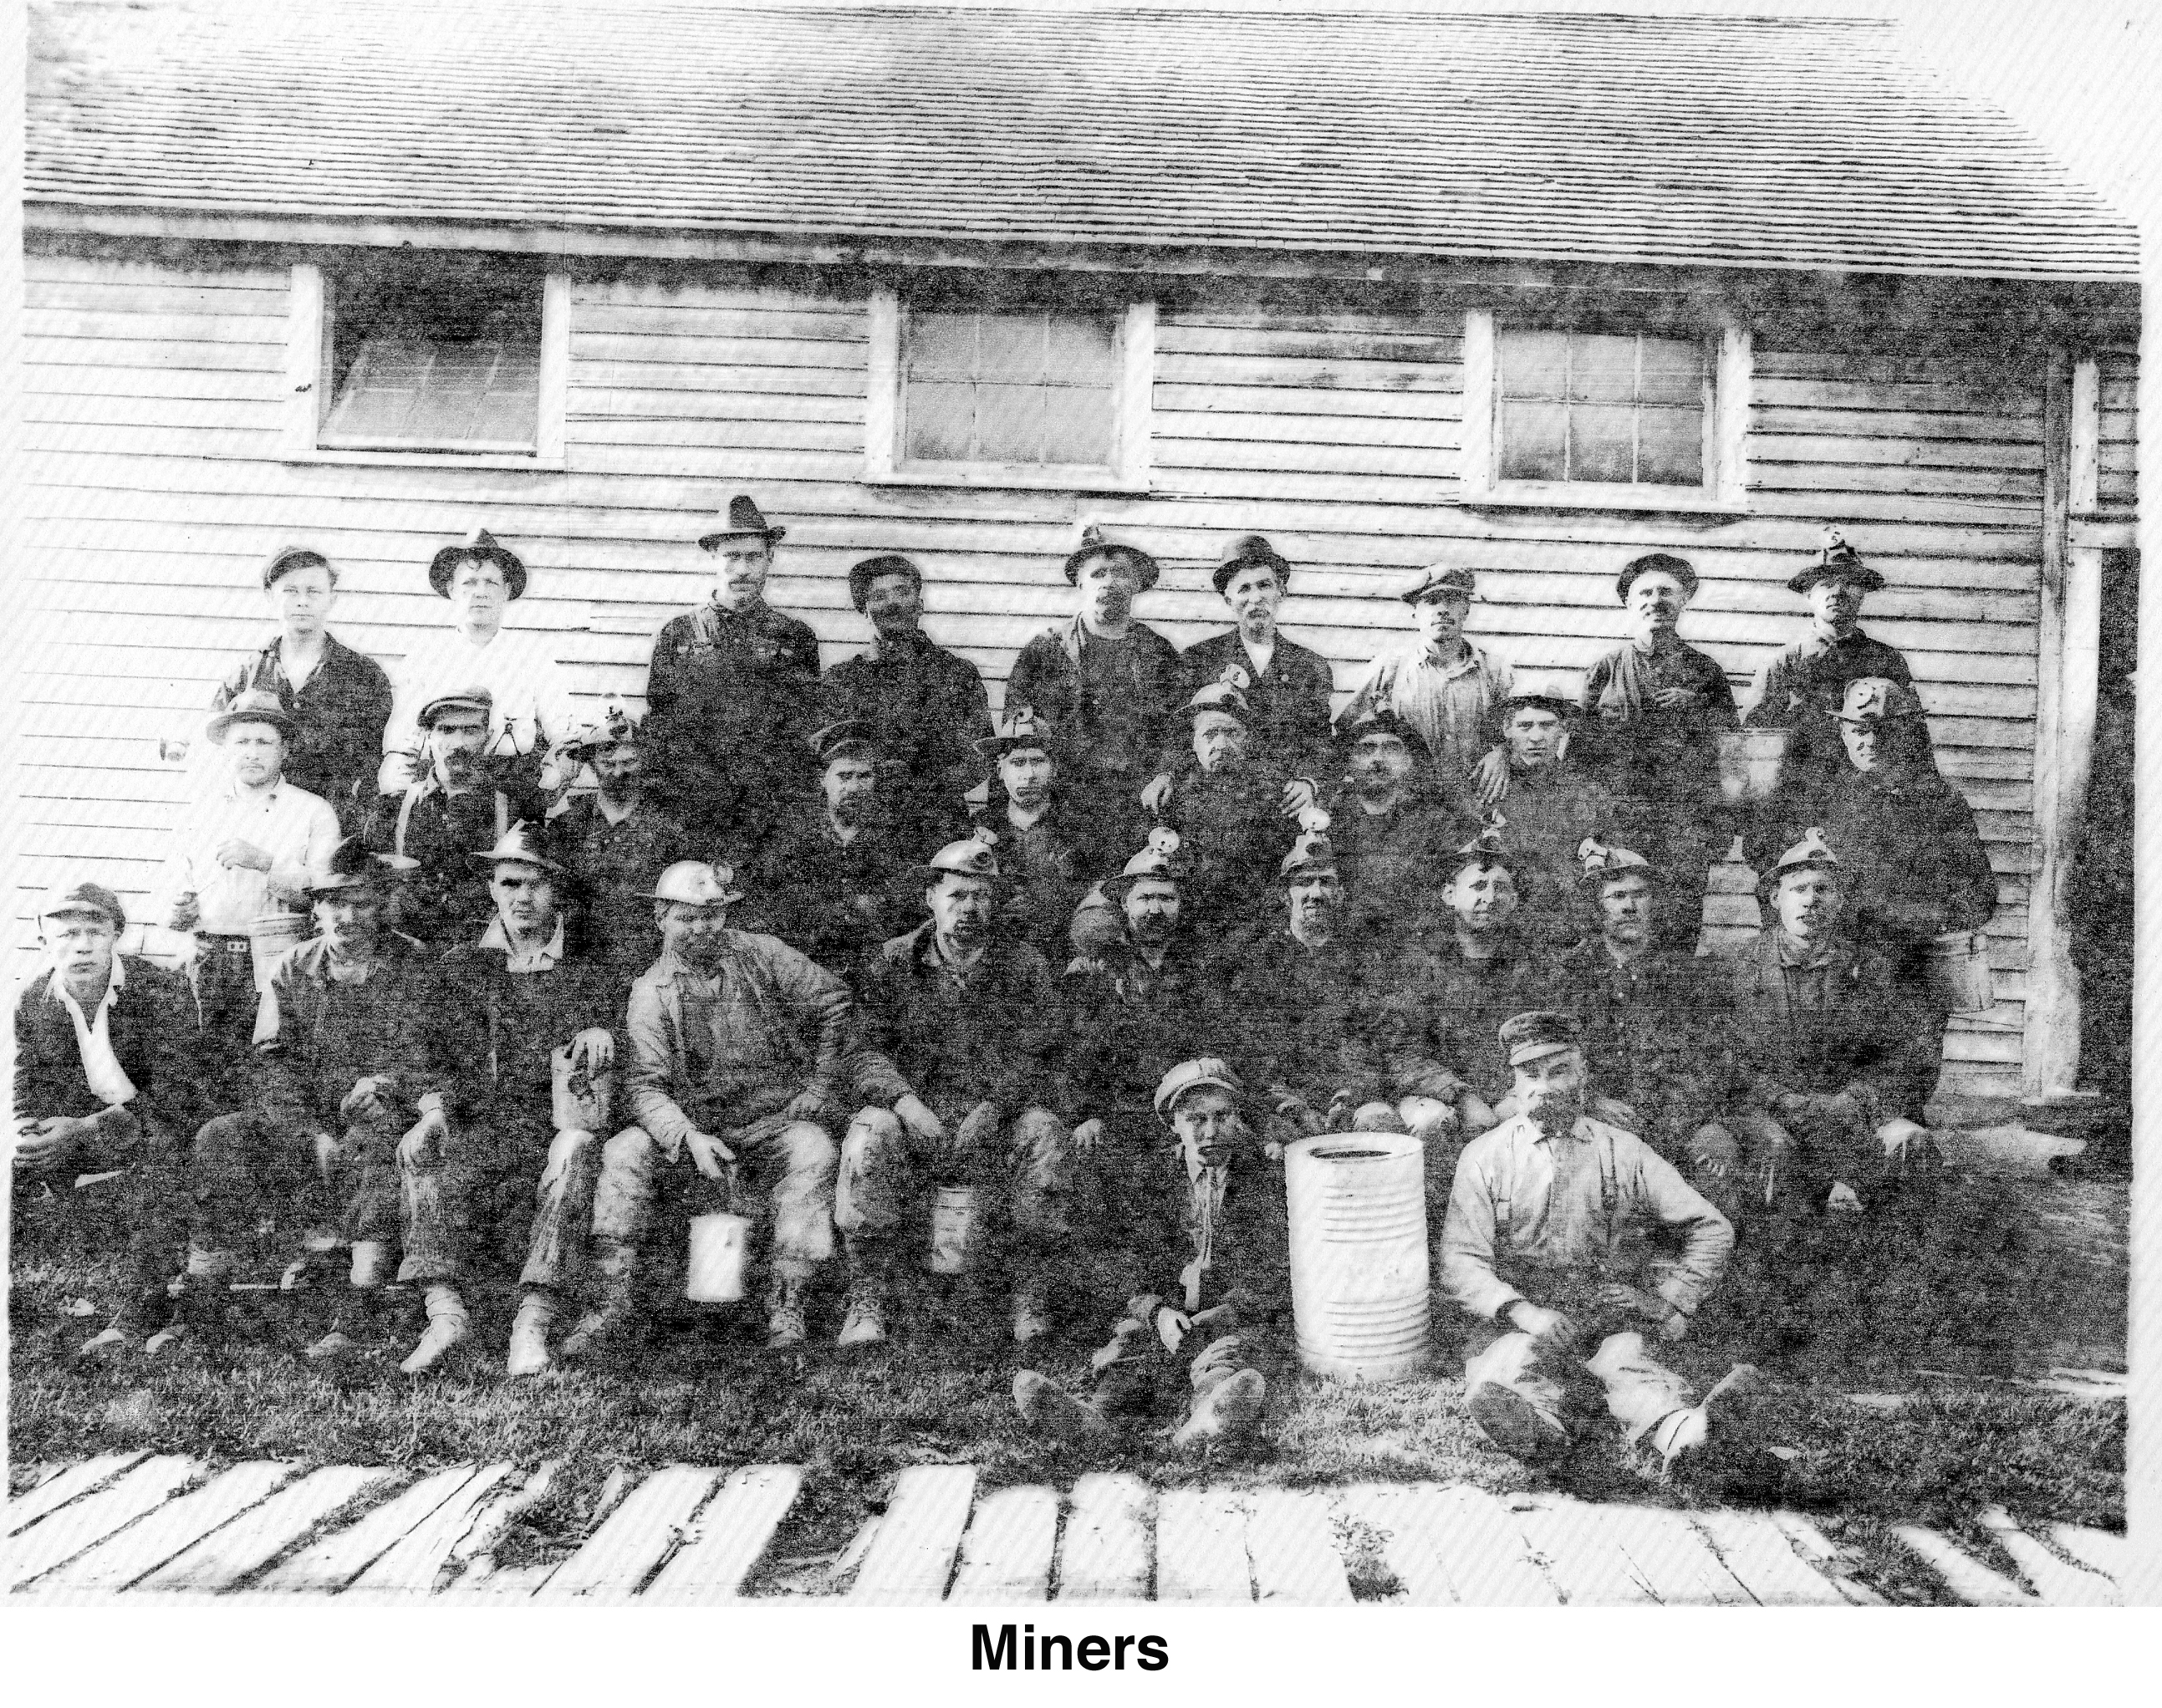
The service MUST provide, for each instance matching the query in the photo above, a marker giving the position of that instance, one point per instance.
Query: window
(448, 359)
(1633, 419)
(1009, 395)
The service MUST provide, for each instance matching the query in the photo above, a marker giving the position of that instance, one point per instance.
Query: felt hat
(1446, 579)
(1192, 1076)
(974, 856)
(1538, 1032)
(866, 570)
(1312, 855)
(525, 844)
(1220, 696)
(83, 899)
(1096, 541)
(1383, 721)
(1542, 687)
(1665, 562)
(288, 558)
(1243, 549)
(1837, 562)
(480, 700)
(613, 727)
(697, 884)
(1024, 729)
(1869, 698)
(1483, 849)
(1602, 861)
(255, 705)
(485, 546)
(741, 521)
(350, 865)
(845, 738)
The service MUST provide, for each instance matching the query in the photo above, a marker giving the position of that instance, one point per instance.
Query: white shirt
(108, 1079)
(546, 958)
(532, 691)
(295, 829)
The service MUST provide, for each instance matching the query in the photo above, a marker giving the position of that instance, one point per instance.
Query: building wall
(157, 399)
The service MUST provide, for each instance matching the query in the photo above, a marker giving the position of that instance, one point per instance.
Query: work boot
(335, 1347)
(528, 1336)
(865, 1324)
(371, 1258)
(447, 1325)
(1048, 1409)
(615, 1273)
(1032, 1314)
(1709, 1447)
(1228, 1412)
(172, 1335)
(784, 1323)
(1513, 1424)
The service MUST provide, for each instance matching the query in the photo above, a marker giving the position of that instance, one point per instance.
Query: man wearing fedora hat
(1443, 685)
(1543, 1249)
(489, 1180)
(616, 840)
(1212, 1236)
(1048, 850)
(922, 704)
(531, 710)
(105, 1084)
(338, 1035)
(969, 1020)
(1106, 683)
(339, 700)
(1228, 807)
(238, 855)
(732, 692)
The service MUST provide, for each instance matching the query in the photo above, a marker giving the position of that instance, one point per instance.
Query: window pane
(1010, 423)
(1080, 427)
(1078, 352)
(1602, 369)
(1011, 348)
(1599, 441)
(1533, 437)
(1670, 447)
(433, 360)
(1674, 372)
(942, 346)
(1026, 389)
(1532, 363)
(942, 416)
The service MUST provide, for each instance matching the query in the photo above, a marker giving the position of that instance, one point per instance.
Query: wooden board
(338, 1558)
(911, 1557)
(1007, 1552)
(1201, 1546)
(409, 1566)
(1671, 1560)
(71, 1530)
(2058, 1583)
(223, 1559)
(1967, 1578)
(141, 1548)
(1756, 1551)
(633, 1540)
(728, 1537)
(1294, 1548)
(1580, 1551)
(1817, 1550)
(1105, 1553)
(1404, 1516)
(1481, 1550)
(2104, 1550)
(56, 1491)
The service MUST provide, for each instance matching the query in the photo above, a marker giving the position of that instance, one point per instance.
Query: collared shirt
(542, 959)
(532, 691)
(342, 708)
(102, 1071)
(1450, 705)
(297, 829)
(1804, 973)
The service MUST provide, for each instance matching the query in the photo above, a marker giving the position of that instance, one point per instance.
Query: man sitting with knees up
(1217, 1247)
(1542, 1248)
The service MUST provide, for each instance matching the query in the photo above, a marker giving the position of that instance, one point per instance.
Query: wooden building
(1532, 294)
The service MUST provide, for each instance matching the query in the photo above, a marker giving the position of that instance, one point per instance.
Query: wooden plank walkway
(140, 1525)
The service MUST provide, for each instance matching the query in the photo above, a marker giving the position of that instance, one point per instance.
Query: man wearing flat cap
(1228, 808)
(1215, 1251)
(1551, 805)
(1802, 687)
(339, 1034)
(1048, 850)
(105, 1086)
(531, 710)
(1106, 684)
(339, 700)
(1543, 1249)
(1391, 828)
(1442, 685)
(967, 1019)
(732, 693)
(922, 705)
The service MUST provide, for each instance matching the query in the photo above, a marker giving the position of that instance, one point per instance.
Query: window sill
(489, 460)
(1628, 498)
(962, 474)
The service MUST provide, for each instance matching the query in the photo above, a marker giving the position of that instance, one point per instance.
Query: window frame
(310, 330)
(1128, 471)
(1725, 488)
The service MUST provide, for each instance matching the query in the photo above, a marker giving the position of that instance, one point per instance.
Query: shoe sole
(1513, 1422)
(1050, 1410)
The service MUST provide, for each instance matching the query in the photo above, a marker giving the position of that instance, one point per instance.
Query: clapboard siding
(2117, 483)
(154, 398)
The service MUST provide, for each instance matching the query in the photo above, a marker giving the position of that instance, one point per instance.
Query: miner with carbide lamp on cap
(616, 841)
(1543, 1249)
(1046, 847)
(1215, 1243)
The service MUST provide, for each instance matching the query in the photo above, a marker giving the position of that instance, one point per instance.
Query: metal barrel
(1359, 1263)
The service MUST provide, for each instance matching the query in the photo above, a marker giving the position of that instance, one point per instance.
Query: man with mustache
(1213, 1239)
(1045, 854)
(1390, 829)
(615, 843)
(1835, 1061)
(1228, 809)
(1551, 805)
(969, 1020)
(1544, 1249)
(1443, 685)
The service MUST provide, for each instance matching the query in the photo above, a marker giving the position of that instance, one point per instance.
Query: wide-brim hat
(1211, 1071)
(484, 545)
(1097, 541)
(696, 884)
(1679, 568)
(1242, 549)
(741, 521)
(866, 570)
(525, 844)
(1837, 562)
(255, 705)
(86, 898)
(352, 865)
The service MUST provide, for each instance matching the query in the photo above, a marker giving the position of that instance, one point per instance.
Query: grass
(1827, 1310)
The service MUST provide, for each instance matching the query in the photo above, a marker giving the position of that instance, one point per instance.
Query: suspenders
(1610, 1195)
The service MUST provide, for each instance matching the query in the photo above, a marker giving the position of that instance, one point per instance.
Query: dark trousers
(225, 986)
(140, 1214)
(502, 1195)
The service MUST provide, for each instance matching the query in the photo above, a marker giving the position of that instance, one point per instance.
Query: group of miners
(842, 943)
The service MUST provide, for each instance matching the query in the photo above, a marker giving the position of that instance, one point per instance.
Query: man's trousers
(783, 1176)
(1563, 1385)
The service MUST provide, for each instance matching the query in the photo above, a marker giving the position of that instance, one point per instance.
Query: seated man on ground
(103, 1086)
(1218, 1251)
(1543, 1249)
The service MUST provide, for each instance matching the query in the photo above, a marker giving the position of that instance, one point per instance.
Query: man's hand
(1172, 1326)
(1844, 1198)
(422, 1146)
(327, 1153)
(1901, 1138)
(1299, 795)
(1549, 1328)
(809, 1106)
(708, 1155)
(1489, 778)
(594, 1049)
(365, 1101)
(1677, 699)
(233, 852)
(187, 912)
(1089, 1135)
(1157, 792)
(1342, 1107)
(916, 1115)
(978, 1128)
(1618, 1296)
(45, 1147)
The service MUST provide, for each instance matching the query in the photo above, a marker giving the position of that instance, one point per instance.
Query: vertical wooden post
(2064, 739)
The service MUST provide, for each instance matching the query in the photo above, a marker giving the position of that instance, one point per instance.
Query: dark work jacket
(1291, 1016)
(1801, 689)
(924, 705)
(1046, 873)
(316, 1037)
(1250, 1254)
(1233, 837)
(341, 711)
(444, 900)
(490, 1031)
(1115, 736)
(1660, 763)
(1654, 1037)
(1129, 1025)
(995, 1037)
(1287, 706)
(1394, 864)
(837, 904)
(616, 867)
(1436, 1009)
(1868, 1038)
(155, 1031)
(1546, 814)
